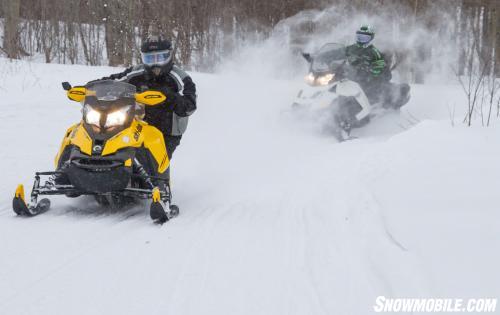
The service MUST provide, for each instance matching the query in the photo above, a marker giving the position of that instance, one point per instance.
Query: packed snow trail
(275, 217)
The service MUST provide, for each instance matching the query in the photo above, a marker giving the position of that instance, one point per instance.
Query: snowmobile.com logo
(428, 305)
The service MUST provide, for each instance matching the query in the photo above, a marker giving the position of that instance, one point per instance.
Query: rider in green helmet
(368, 64)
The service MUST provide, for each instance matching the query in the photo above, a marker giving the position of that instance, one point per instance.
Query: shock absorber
(143, 173)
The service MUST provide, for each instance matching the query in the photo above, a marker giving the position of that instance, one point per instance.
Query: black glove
(168, 92)
(365, 67)
(173, 100)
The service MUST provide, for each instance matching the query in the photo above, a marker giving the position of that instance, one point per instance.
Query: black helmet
(157, 54)
(365, 35)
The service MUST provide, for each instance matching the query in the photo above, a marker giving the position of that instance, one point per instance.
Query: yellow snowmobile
(111, 154)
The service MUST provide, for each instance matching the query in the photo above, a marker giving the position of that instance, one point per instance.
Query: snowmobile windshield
(329, 58)
(110, 94)
(109, 106)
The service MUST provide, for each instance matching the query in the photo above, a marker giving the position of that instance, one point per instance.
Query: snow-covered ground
(276, 218)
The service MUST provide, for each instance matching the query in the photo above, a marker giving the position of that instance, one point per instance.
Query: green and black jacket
(366, 59)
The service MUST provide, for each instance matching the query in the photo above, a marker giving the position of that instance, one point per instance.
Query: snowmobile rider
(369, 67)
(158, 72)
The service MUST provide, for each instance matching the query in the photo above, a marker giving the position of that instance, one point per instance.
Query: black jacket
(171, 117)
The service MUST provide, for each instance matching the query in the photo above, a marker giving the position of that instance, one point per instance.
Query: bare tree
(11, 28)
(496, 35)
(95, 31)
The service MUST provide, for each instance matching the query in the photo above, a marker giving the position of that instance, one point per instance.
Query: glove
(174, 100)
(168, 92)
(365, 67)
(375, 72)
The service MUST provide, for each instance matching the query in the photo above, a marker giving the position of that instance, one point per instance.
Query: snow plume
(424, 45)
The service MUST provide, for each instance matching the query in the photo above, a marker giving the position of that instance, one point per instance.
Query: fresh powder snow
(276, 216)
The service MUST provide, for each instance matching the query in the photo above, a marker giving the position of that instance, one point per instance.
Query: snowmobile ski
(158, 209)
(21, 208)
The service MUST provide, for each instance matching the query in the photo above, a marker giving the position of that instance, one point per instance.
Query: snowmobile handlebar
(149, 97)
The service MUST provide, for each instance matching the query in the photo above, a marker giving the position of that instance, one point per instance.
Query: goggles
(363, 38)
(156, 57)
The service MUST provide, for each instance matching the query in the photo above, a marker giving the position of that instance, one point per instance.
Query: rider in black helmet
(158, 72)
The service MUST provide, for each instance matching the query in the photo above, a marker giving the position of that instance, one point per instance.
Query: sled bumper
(317, 97)
(98, 180)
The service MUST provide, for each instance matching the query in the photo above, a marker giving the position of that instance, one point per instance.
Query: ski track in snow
(276, 218)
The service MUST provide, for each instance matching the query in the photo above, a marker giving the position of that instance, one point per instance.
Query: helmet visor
(156, 57)
(363, 38)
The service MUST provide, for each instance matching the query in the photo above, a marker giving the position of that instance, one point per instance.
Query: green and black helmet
(365, 35)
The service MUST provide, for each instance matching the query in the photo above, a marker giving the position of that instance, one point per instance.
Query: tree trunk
(115, 33)
(129, 33)
(461, 39)
(496, 17)
(423, 51)
(11, 43)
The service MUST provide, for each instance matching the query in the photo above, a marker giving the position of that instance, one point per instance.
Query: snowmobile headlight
(325, 79)
(117, 118)
(92, 117)
(309, 79)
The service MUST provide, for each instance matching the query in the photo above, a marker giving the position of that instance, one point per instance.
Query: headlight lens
(117, 118)
(91, 116)
(325, 79)
(309, 79)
